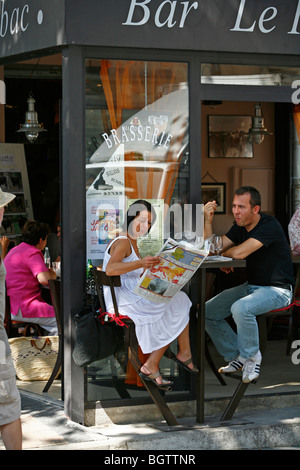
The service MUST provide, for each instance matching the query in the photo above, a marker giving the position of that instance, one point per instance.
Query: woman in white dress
(157, 324)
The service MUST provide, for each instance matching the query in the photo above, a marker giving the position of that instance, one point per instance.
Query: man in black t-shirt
(260, 240)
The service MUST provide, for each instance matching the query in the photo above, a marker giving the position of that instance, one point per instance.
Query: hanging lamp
(31, 126)
(258, 130)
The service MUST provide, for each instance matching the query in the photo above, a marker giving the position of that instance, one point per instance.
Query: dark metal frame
(54, 285)
(73, 169)
(73, 221)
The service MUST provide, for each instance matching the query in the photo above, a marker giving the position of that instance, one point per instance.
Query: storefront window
(137, 119)
(230, 74)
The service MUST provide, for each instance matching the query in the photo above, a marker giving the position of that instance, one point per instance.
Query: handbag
(95, 338)
(34, 358)
(97, 335)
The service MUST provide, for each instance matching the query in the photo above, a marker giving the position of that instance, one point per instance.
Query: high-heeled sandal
(184, 364)
(165, 385)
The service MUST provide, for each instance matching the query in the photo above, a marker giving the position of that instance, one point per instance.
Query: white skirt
(156, 334)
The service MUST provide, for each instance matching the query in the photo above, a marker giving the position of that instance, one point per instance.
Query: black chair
(266, 321)
(264, 325)
(101, 279)
(15, 328)
(54, 286)
(289, 314)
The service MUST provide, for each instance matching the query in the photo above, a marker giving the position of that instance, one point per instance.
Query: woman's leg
(152, 363)
(11, 434)
(47, 323)
(184, 352)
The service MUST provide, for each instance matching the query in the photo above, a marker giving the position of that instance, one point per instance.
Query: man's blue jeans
(243, 302)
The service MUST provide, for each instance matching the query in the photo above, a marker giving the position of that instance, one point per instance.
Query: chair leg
(152, 389)
(233, 404)
(296, 325)
(263, 333)
(292, 331)
(290, 334)
(212, 364)
(55, 370)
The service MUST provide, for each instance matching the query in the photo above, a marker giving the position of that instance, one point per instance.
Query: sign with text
(265, 26)
(29, 25)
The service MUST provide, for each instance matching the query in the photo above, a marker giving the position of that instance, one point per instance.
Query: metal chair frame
(263, 337)
(54, 286)
(101, 279)
(11, 325)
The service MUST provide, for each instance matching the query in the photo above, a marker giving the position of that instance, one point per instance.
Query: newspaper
(178, 263)
(218, 258)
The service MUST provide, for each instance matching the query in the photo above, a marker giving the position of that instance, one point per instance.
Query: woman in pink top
(26, 271)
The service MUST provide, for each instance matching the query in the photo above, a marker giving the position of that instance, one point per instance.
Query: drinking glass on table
(211, 245)
(218, 244)
(56, 267)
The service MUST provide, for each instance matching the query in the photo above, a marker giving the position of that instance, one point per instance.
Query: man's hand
(227, 270)
(209, 210)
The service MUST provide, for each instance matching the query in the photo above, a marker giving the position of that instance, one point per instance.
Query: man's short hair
(255, 198)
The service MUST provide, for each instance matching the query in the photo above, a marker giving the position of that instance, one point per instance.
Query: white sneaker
(233, 366)
(251, 368)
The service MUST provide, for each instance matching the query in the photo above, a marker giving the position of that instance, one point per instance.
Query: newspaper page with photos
(178, 263)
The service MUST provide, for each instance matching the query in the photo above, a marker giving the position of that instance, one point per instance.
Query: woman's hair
(134, 210)
(33, 231)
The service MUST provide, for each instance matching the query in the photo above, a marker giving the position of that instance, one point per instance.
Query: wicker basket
(34, 358)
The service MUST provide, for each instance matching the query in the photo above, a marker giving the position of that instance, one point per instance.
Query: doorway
(41, 78)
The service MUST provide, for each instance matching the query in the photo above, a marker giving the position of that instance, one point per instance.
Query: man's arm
(209, 211)
(243, 250)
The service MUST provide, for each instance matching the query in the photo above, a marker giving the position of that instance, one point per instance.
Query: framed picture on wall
(228, 137)
(215, 192)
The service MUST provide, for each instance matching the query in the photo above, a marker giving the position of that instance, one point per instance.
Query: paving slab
(45, 427)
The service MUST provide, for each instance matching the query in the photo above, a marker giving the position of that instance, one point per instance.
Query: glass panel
(137, 118)
(228, 74)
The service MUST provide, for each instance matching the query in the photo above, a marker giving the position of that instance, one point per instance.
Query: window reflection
(137, 119)
(230, 74)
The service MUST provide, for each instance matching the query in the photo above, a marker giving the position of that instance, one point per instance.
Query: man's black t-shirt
(270, 265)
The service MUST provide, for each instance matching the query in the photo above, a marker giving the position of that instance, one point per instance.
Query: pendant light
(31, 126)
(258, 131)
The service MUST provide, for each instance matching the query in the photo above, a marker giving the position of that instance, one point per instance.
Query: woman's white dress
(157, 324)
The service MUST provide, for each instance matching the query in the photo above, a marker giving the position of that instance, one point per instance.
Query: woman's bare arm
(121, 249)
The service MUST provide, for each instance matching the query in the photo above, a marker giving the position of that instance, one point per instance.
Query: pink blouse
(23, 263)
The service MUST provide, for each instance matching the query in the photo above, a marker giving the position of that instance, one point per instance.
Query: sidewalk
(268, 418)
(45, 427)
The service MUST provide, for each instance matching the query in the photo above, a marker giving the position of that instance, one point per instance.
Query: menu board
(14, 179)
